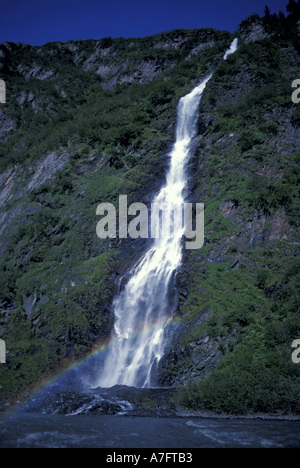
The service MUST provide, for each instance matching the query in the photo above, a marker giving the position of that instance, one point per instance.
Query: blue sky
(36, 22)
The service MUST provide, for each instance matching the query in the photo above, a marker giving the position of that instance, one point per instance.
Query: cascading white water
(232, 49)
(144, 306)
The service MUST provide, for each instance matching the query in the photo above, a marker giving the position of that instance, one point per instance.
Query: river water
(31, 430)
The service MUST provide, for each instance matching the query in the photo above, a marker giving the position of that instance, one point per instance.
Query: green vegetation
(56, 275)
(69, 312)
(255, 321)
(240, 314)
(77, 104)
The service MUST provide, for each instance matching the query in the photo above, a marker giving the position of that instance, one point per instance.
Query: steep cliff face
(92, 120)
(88, 121)
(238, 311)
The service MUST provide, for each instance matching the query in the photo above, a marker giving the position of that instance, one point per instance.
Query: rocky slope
(87, 121)
(239, 309)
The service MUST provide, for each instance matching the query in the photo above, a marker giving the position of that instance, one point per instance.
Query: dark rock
(7, 126)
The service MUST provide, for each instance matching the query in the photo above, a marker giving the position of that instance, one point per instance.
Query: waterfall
(232, 49)
(144, 307)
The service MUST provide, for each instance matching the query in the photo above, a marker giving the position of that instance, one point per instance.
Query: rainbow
(67, 369)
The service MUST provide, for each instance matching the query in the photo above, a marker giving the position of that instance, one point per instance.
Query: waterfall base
(118, 400)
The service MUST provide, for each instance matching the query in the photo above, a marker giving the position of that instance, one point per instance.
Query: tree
(293, 8)
(267, 12)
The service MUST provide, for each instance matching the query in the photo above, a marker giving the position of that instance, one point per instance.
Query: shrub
(249, 138)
